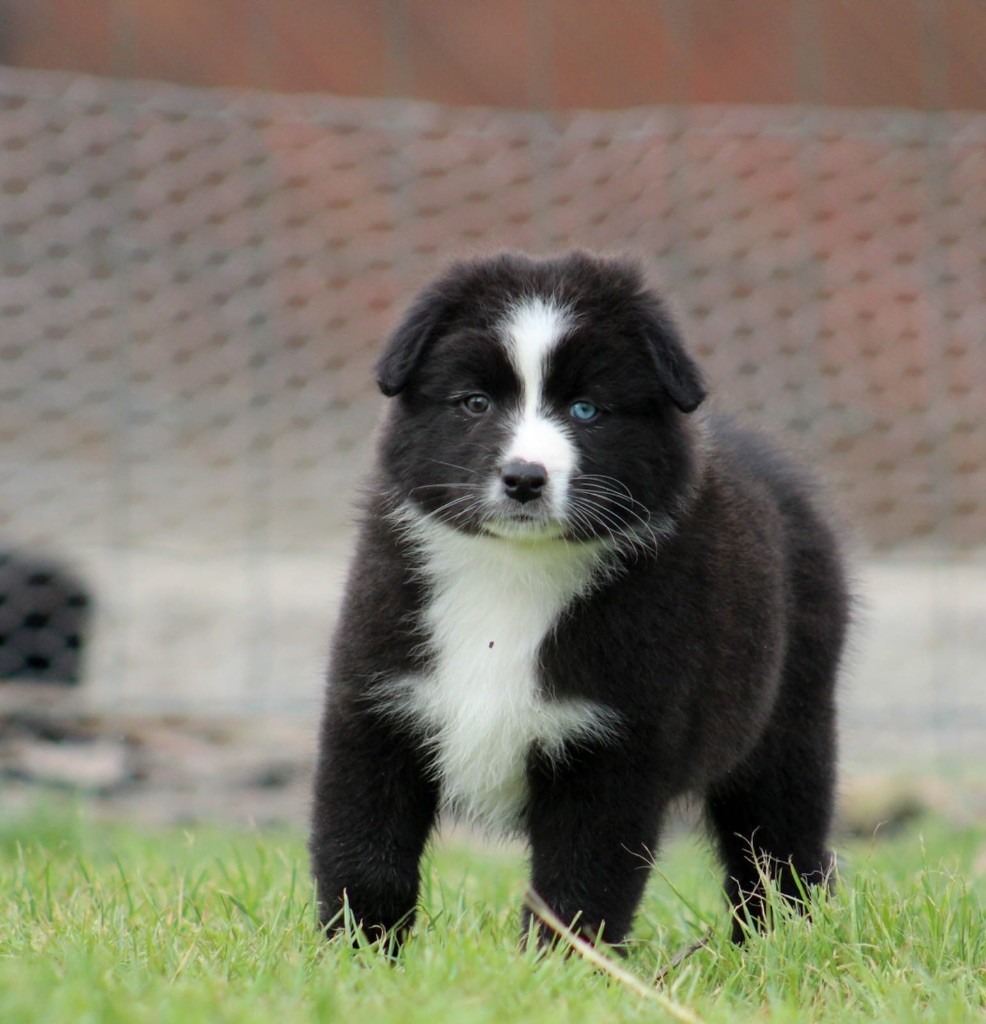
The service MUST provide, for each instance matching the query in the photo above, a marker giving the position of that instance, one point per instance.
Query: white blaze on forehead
(534, 327)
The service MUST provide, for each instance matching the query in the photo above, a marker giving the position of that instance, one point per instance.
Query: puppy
(572, 600)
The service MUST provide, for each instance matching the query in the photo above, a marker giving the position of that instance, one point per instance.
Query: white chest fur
(492, 603)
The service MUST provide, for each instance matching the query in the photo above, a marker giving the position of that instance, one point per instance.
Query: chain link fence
(194, 285)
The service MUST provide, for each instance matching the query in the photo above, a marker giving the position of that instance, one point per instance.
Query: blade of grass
(683, 954)
(598, 959)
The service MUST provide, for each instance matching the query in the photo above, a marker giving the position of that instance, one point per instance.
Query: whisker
(452, 465)
(631, 537)
(483, 448)
(618, 501)
(451, 483)
(602, 510)
(595, 525)
(581, 519)
(622, 496)
(607, 479)
(449, 504)
(621, 507)
(447, 513)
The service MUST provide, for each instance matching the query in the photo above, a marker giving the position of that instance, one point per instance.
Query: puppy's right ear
(407, 344)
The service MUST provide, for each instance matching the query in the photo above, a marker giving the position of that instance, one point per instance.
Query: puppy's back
(817, 592)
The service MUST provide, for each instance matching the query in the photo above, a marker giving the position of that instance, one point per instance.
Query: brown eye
(476, 404)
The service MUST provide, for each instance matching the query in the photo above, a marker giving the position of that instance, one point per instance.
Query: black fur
(715, 637)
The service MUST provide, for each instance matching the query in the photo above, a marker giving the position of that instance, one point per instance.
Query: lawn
(106, 923)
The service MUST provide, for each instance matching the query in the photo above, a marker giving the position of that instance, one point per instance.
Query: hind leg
(771, 816)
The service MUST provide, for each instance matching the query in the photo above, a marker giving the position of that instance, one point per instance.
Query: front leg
(593, 823)
(374, 806)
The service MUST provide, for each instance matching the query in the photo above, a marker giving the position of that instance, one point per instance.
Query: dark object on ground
(574, 598)
(44, 617)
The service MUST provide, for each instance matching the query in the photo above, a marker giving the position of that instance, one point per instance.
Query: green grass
(104, 923)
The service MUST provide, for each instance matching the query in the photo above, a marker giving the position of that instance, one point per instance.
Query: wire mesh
(195, 283)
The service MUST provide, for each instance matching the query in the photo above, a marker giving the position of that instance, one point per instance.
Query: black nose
(523, 481)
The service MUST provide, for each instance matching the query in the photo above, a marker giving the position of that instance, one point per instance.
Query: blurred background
(212, 213)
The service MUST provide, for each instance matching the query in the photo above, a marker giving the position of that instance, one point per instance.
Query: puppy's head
(540, 399)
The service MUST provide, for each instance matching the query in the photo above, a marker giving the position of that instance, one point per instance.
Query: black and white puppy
(573, 600)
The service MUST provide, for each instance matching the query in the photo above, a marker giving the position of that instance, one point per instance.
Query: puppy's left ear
(676, 370)
(405, 347)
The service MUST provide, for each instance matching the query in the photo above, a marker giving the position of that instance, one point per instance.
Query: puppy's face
(538, 400)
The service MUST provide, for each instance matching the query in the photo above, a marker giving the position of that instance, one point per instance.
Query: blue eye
(584, 411)
(476, 404)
